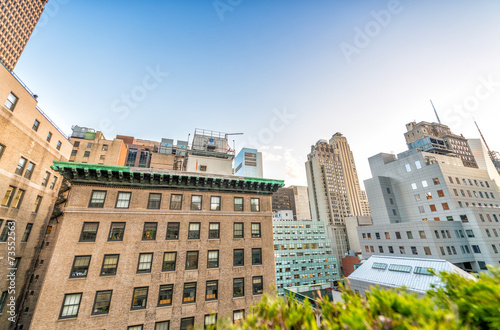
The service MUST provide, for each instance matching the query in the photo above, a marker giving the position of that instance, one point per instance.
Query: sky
(283, 73)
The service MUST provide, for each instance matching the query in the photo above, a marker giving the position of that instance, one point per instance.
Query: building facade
(92, 147)
(295, 198)
(156, 249)
(248, 163)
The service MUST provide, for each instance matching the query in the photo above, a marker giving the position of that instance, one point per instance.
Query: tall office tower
(248, 163)
(29, 143)
(432, 206)
(438, 138)
(334, 191)
(143, 248)
(294, 198)
(18, 22)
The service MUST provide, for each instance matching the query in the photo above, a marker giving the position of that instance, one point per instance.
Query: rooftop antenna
(439, 121)
(482, 137)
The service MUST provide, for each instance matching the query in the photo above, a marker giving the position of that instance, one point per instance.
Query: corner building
(155, 249)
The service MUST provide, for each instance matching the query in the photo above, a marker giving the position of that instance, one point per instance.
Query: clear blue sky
(362, 68)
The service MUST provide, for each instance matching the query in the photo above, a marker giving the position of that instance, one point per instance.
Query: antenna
(482, 137)
(439, 121)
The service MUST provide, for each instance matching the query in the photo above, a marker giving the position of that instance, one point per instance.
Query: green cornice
(123, 176)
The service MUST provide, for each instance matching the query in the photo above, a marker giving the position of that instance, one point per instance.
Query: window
(257, 256)
(255, 204)
(257, 285)
(2, 300)
(428, 195)
(463, 217)
(123, 200)
(449, 218)
(135, 327)
(144, 264)
(89, 231)
(422, 234)
(149, 231)
(387, 235)
(89, 145)
(215, 203)
(58, 146)
(255, 230)
(400, 268)
(436, 181)
(192, 260)
(176, 202)
(427, 251)
(38, 201)
(154, 201)
(116, 231)
(238, 203)
(238, 230)
(18, 199)
(445, 206)
(413, 249)
(238, 257)
(2, 149)
(377, 235)
(433, 208)
(80, 266)
(20, 166)
(195, 202)
(417, 197)
(212, 289)
(418, 165)
(421, 209)
(169, 261)
(86, 154)
(391, 250)
(11, 101)
(469, 233)
(189, 294)
(97, 199)
(409, 234)
(102, 302)
(441, 193)
(424, 183)
(140, 298)
(482, 265)
(394, 212)
(173, 230)
(187, 323)
(476, 248)
(27, 232)
(398, 235)
(76, 144)
(49, 136)
(380, 249)
(29, 170)
(45, 180)
(214, 230)
(408, 167)
(210, 320)
(238, 316)
(213, 259)
(194, 230)
(109, 264)
(104, 147)
(494, 248)
(71, 305)
(53, 183)
(402, 249)
(165, 296)
(238, 287)
(388, 190)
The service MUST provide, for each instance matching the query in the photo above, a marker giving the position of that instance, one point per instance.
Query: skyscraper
(248, 163)
(19, 21)
(294, 198)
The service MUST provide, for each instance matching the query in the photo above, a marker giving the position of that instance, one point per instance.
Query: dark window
(97, 199)
(239, 257)
(3, 297)
(9, 225)
(20, 166)
(169, 261)
(131, 157)
(154, 201)
(195, 202)
(104, 147)
(80, 266)
(212, 289)
(109, 264)
(116, 231)
(144, 264)
(194, 230)
(176, 202)
(187, 323)
(257, 285)
(164, 325)
(255, 204)
(238, 287)
(76, 144)
(255, 230)
(123, 200)
(29, 170)
(398, 235)
(192, 260)
(140, 298)
(238, 203)
(173, 230)
(71, 305)
(27, 232)
(257, 256)
(189, 294)
(86, 154)
(215, 203)
(149, 232)
(102, 302)
(11, 101)
(213, 259)
(214, 230)
(46, 178)
(89, 231)
(2, 149)
(165, 296)
(238, 230)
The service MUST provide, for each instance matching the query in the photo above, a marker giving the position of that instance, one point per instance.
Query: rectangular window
(195, 203)
(173, 230)
(238, 316)
(422, 234)
(214, 230)
(149, 231)
(165, 296)
(3, 297)
(20, 166)
(194, 230)
(136, 327)
(257, 256)
(417, 197)
(58, 145)
(192, 260)
(441, 193)
(427, 251)
(213, 259)
(413, 249)
(154, 201)
(402, 249)
(176, 202)
(97, 199)
(424, 183)
(71, 305)
(215, 203)
(104, 147)
(238, 230)
(255, 230)
(53, 183)
(89, 231)
(409, 234)
(436, 181)
(408, 167)
(2, 149)
(11, 101)
(433, 208)
(86, 154)
(387, 235)
(38, 201)
(257, 285)
(238, 257)
(187, 323)
(140, 298)
(16, 204)
(255, 204)
(45, 180)
(418, 165)
(49, 136)
(238, 203)
(9, 225)
(380, 249)
(80, 266)
(238, 287)
(27, 232)
(391, 250)
(123, 200)
(445, 206)
(144, 264)
(102, 302)
(29, 170)
(212, 290)
(189, 294)
(476, 249)
(116, 231)
(210, 320)
(109, 264)
(398, 235)
(169, 261)
(89, 145)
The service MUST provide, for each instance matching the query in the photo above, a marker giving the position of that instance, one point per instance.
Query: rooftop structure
(248, 162)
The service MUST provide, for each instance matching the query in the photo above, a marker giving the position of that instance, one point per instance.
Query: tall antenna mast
(439, 121)
(484, 140)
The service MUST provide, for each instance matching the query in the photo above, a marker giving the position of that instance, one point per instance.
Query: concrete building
(29, 143)
(295, 198)
(92, 147)
(19, 21)
(302, 252)
(334, 190)
(248, 163)
(351, 226)
(156, 249)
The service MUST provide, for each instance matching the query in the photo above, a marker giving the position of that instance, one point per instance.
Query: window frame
(16, 204)
(187, 260)
(12, 105)
(146, 232)
(27, 232)
(20, 168)
(2, 149)
(176, 202)
(139, 263)
(259, 235)
(80, 294)
(83, 227)
(10, 196)
(134, 297)
(252, 205)
(129, 193)
(219, 204)
(104, 262)
(150, 205)
(190, 232)
(259, 254)
(178, 230)
(110, 239)
(95, 302)
(242, 257)
(29, 172)
(242, 294)
(254, 285)
(208, 259)
(38, 202)
(242, 229)
(71, 274)
(213, 231)
(95, 204)
(216, 290)
(194, 205)
(242, 204)
(194, 285)
(163, 269)
(165, 287)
